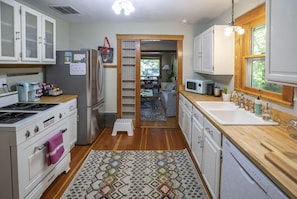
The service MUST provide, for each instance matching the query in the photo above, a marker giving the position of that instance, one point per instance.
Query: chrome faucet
(234, 98)
(242, 101)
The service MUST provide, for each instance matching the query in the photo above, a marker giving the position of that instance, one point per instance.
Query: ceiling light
(124, 5)
(232, 28)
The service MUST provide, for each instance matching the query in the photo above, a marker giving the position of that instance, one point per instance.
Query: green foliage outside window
(150, 67)
(256, 65)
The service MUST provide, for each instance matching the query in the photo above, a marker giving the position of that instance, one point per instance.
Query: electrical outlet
(2, 81)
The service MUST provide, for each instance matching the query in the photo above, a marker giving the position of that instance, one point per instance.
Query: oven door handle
(41, 147)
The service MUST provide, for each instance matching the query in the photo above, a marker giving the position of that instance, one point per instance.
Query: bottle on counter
(258, 106)
(266, 115)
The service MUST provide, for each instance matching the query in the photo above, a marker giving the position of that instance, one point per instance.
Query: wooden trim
(137, 86)
(119, 78)
(149, 37)
(242, 51)
(110, 66)
(139, 37)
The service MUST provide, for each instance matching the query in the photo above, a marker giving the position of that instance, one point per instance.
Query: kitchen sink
(226, 113)
(210, 105)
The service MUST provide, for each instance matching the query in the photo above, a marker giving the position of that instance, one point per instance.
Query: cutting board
(281, 161)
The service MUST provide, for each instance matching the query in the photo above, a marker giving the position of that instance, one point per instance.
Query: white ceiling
(145, 10)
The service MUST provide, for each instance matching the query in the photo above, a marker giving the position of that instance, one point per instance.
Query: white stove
(25, 128)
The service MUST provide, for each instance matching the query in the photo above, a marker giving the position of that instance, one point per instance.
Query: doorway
(138, 38)
(158, 72)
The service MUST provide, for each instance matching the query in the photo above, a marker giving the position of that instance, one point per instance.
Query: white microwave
(197, 85)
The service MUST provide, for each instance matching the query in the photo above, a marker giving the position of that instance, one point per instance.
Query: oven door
(31, 158)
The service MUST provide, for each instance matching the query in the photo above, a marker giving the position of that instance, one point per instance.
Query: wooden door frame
(138, 38)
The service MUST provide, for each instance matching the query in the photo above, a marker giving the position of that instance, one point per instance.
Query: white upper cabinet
(281, 55)
(27, 36)
(10, 31)
(214, 52)
(31, 35)
(49, 39)
(197, 55)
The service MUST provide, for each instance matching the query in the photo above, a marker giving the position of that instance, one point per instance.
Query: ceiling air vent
(65, 10)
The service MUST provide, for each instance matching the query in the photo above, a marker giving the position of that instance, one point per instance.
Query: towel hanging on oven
(55, 148)
(106, 51)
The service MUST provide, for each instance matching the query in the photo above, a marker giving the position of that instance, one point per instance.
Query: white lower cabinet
(181, 112)
(188, 108)
(197, 137)
(72, 120)
(205, 141)
(211, 163)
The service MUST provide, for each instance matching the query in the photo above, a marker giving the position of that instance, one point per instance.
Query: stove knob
(27, 134)
(36, 129)
(60, 115)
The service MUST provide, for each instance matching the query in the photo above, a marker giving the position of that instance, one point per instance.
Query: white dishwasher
(242, 179)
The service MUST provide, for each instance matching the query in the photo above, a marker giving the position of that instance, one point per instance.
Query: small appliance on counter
(197, 85)
(29, 91)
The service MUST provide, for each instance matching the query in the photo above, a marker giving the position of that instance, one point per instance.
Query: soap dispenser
(266, 113)
(258, 106)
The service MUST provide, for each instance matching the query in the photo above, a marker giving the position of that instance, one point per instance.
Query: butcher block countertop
(57, 99)
(270, 148)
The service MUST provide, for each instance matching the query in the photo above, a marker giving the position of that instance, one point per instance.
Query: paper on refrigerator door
(77, 68)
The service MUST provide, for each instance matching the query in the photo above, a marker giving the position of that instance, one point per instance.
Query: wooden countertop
(248, 139)
(57, 99)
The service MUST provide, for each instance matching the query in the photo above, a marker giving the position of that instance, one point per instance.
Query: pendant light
(232, 28)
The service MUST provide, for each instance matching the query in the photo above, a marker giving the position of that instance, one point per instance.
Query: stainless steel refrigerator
(81, 73)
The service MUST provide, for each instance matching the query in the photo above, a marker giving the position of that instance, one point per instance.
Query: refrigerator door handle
(100, 75)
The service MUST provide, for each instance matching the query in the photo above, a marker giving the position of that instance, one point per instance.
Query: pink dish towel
(55, 148)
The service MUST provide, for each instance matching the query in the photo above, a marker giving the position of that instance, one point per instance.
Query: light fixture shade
(231, 28)
(166, 67)
(124, 5)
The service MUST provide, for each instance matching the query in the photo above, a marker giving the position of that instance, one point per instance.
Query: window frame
(153, 57)
(242, 51)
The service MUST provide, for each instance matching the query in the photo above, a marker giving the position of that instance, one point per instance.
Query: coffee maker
(28, 91)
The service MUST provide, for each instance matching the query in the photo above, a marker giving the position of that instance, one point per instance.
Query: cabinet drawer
(214, 133)
(198, 116)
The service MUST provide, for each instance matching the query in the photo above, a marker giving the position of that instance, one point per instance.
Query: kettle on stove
(28, 91)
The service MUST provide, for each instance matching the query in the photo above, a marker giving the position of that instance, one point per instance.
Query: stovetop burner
(13, 117)
(28, 106)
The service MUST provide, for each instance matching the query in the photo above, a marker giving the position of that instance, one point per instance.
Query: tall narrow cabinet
(128, 79)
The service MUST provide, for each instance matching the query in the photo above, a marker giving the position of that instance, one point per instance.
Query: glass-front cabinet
(27, 36)
(49, 39)
(31, 32)
(10, 30)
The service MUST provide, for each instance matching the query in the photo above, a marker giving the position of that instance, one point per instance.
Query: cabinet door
(281, 43)
(49, 39)
(197, 142)
(197, 55)
(187, 126)
(207, 49)
(211, 166)
(181, 115)
(10, 30)
(31, 34)
(73, 128)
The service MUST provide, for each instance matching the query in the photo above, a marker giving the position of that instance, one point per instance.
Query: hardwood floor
(145, 138)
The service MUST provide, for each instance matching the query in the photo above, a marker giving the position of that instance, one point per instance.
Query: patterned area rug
(152, 110)
(137, 175)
